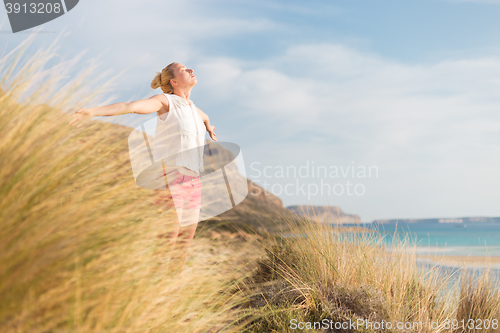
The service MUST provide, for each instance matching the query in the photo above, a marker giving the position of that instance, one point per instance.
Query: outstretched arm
(206, 121)
(143, 106)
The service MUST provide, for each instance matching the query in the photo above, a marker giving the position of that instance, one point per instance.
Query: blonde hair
(163, 79)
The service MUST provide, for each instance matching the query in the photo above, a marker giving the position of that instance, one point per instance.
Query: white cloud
(431, 128)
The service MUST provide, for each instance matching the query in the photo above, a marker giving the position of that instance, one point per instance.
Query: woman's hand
(211, 132)
(80, 117)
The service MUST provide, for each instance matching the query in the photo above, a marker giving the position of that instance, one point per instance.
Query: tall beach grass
(79, 246)
(79, 250)
(320, 275)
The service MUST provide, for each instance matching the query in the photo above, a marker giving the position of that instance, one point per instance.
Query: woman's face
(184, 77)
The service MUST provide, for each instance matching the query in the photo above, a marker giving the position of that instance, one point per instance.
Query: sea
(453, 239)
(444, 239)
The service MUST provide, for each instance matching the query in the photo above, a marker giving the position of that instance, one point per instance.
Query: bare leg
(168, 239)
(166, 235)
(181, 248)
(187, 220)
(176, 240)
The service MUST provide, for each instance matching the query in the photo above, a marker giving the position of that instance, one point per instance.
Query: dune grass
(79, 250)
(321, 274)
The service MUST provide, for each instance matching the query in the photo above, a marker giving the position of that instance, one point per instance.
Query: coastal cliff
(324, 214)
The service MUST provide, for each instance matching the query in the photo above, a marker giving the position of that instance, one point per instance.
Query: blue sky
(411, 87)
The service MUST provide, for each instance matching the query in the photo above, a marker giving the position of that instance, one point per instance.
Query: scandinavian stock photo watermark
(311, 180)
(26, 14)
(367, 325)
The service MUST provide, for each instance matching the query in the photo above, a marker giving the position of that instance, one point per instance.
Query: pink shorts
(184, 193)
(185, 190)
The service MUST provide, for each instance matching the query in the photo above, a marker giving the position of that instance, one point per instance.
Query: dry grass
(79, 252)
(479, 301)
(322, 273)
(78, 245)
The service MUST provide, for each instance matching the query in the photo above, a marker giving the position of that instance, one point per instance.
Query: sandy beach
(462, 261)
(356, 229)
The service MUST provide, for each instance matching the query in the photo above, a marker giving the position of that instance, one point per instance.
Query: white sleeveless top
(182, 130)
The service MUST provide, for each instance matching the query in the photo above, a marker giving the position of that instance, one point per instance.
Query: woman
(177, 112)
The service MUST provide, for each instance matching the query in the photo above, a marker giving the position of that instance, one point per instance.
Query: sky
(396, 102)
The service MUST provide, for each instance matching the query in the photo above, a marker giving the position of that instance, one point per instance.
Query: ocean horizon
(476, 239)
(448, 239)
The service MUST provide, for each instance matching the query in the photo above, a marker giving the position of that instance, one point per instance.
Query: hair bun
(164, 83)
(156, 83)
